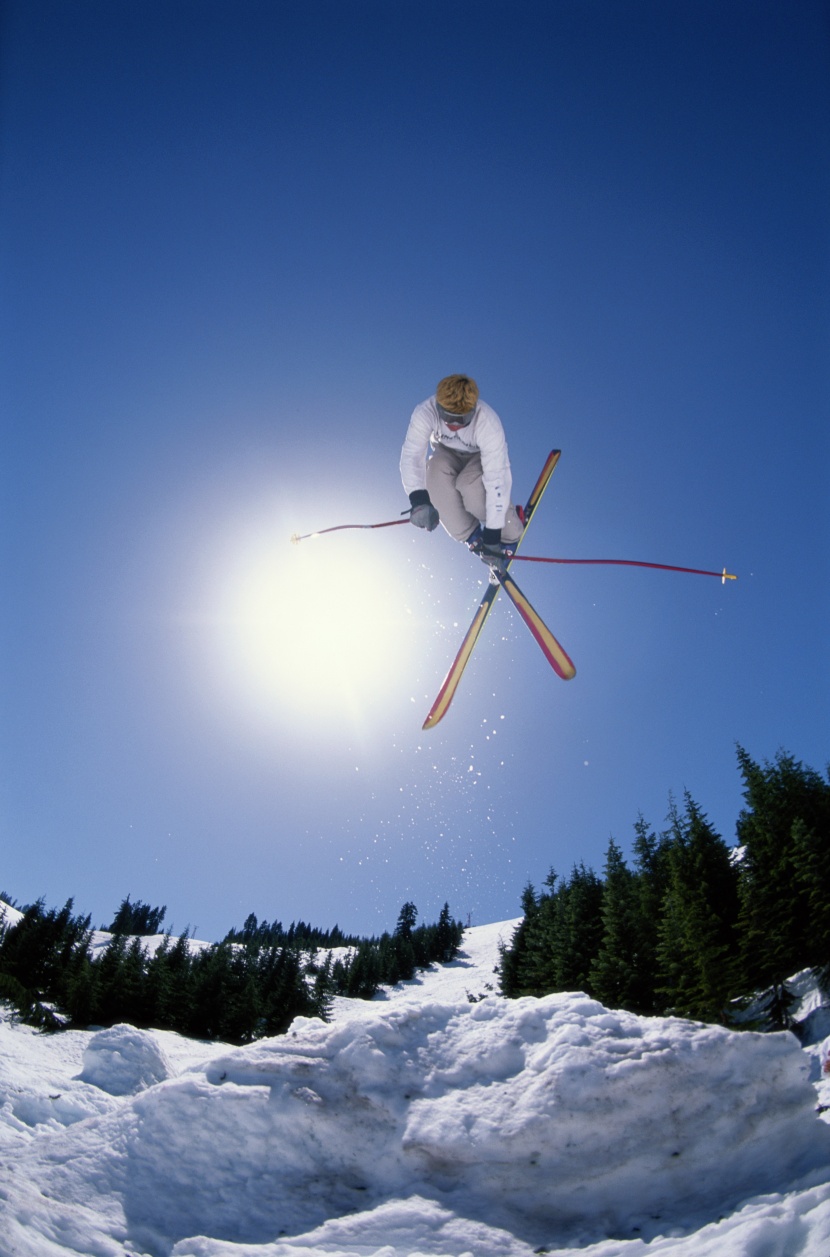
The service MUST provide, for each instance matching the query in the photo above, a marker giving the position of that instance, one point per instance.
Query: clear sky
(241, 241)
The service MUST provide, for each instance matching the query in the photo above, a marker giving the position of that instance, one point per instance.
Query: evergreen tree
(784, 833)
(513, 957)
(811, 855)
(40, 960)
(80, 995)
(157, 1004)
(541, 967)
(447, 937)
(362, 972)
(136, 918)
(697, 942)
(617, 976)
(108, 973)
(212, 978)
(577, 929)
(653, 871)
(407, 917)
(180, 987)
(298, 934)
(322, 990)
(283, 990)
(403, 959)
(235, 991)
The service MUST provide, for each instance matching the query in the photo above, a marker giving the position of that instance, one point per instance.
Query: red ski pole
(663, 567)
(390, 523)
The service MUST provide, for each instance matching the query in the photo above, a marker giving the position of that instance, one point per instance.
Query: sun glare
(303, 632)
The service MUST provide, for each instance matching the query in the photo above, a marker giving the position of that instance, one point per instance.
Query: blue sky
(241, 241)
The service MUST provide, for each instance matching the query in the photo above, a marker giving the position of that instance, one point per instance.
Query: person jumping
(455, 468)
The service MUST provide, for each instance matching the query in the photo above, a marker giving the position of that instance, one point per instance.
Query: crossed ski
(556, 656)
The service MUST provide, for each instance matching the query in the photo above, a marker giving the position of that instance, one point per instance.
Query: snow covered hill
(437, 1119)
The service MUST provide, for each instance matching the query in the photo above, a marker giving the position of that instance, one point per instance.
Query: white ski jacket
(484, 435)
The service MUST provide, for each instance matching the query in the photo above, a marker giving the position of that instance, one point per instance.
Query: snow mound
(797, 1224)
(8, 915)
(551, 1121)
(123, 1061)
(416, 1227)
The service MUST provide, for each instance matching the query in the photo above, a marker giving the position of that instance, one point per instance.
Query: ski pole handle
(296, 538)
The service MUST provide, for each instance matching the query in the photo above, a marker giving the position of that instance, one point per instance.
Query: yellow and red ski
(556, 655)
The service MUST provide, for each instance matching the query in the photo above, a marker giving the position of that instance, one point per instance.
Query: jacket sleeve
(416, 448)
(495, 466)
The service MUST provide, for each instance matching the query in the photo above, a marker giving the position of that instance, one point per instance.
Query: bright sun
(303, 632)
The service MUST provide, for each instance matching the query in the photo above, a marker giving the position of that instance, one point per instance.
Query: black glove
(423, 514)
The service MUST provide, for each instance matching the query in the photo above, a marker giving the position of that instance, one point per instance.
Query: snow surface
(438, 1119)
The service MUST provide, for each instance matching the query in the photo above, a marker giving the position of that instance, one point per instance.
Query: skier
(456, 470)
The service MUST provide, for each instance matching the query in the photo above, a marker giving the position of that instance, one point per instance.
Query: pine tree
(179, 961)
(363, 972)
(784, 833)
(617, 976)
(536, 971)
(513, 956)
(697, 945)
(40, 959)
(577, 929)
(322, 990)
(653, 879)
(284, 992)
(157, 997)
(136, 918)
(405, 961)
(241, 1017)
(212, 989)
(811, 855)
(108, 973)
(80, 996)
(447, 937)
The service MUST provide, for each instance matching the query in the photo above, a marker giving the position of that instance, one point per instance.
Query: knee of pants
(440, 470)
(446, 499)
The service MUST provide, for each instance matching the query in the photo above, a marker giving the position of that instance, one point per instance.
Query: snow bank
(123, 1060)
(38, 1087)
(544, 1122)
(9, 915)
(401, 1228)
(769, 1227)
(150, 943)
(437, 1120)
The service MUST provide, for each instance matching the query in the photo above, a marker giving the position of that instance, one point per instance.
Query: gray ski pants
(456, 490)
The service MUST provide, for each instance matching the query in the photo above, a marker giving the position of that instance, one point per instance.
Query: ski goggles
(453, 420)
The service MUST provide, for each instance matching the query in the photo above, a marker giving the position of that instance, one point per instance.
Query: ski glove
(423, 514)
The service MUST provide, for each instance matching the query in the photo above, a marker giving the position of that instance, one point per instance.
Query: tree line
(693, 927)
(250, 985)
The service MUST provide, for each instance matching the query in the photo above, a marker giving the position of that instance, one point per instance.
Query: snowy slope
(8, 914)
(437, 1119)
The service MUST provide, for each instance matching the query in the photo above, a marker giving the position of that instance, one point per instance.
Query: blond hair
(457, 393)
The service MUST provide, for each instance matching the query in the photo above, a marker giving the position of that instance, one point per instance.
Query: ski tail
(450, 683)
(554, 652)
